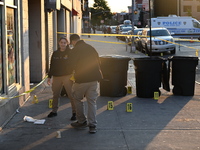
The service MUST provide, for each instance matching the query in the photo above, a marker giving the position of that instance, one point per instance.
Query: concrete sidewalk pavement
(169, 123)
(172, 122)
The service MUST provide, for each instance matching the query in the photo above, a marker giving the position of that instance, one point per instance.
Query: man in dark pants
(89, 31)
(84, 60)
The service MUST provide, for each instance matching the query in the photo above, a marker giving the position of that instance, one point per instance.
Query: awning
(74, 12)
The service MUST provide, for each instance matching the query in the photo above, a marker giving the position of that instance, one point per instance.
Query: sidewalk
(170, 123)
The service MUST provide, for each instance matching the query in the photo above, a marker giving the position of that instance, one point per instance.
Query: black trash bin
(114, 69)
(183, 74)
(150, 72)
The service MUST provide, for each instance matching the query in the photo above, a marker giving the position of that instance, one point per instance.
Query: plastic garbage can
(183, 74)
(149, 73)
(114, 69)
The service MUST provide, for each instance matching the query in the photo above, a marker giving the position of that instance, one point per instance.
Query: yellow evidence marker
(197, 53)
(156, 95)
(110, 105)
(129, 90)
(129, 107)
(50, 103)
(35, 100)
(72, 78)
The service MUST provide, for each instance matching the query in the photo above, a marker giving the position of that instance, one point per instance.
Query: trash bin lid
(115, 57)
(183, 58)
(149, 58)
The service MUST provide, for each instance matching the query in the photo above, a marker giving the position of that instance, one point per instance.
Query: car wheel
(173, 51)
(140, 47)
(136, 47)
(146, 50)
(128, 43)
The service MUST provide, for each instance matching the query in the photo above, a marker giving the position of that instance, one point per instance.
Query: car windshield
(136, 31)
(122, 26)
(159, 33)
(196, 24)
(126, 29)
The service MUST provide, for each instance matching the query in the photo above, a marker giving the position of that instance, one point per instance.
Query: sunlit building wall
(177, 7)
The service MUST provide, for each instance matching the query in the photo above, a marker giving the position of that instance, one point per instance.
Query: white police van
(178, 25)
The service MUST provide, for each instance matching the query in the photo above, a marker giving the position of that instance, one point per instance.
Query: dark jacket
(59, 63)
(84, 60)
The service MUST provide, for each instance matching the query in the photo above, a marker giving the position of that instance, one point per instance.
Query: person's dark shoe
(92, 129)
(73, 117)
(79, 125)
(52, 114)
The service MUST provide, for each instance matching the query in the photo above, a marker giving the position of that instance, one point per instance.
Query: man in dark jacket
(84, 60)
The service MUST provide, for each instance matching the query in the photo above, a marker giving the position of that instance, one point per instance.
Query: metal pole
(179, 3)
(150, 27)
(132, 43)
(177, 7)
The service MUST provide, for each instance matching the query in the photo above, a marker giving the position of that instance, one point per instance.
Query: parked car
(124, 32)
(136, 39)
(161, 41)
(113, 29)
(123, 25)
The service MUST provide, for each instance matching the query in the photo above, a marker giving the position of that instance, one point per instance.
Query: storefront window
(1, 64)
(11, 46)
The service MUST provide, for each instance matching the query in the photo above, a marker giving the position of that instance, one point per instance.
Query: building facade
(162, 8)
(29, 31)
(177, 7)
(14, 54)
(189, 8)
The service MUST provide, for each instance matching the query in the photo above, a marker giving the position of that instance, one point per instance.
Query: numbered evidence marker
(197, 53)
(35, 100)
(156, 95)
(129, 107)
(110, 105)
(129, 90)
(50, 103)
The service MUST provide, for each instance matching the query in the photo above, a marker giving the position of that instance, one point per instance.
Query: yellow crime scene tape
(97, 35)
(29, 91)
(93, 34)
(104, 41)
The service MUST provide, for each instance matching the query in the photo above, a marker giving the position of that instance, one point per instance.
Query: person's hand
(48, 81)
